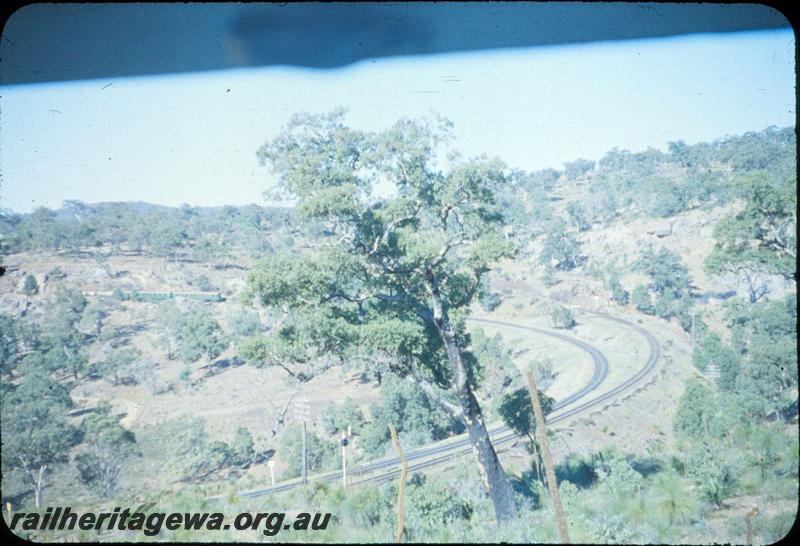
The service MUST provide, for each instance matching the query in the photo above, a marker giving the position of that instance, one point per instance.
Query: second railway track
(500, 434)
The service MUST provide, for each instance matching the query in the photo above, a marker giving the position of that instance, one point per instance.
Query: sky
(192, 138)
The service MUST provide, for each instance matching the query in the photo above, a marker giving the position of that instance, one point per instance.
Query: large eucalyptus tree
(406, 249)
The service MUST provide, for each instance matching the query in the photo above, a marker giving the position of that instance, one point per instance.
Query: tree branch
(453, 410)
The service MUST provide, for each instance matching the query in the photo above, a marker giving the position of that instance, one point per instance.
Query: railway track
(500, 434)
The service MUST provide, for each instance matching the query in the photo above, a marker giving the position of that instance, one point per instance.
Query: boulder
(661, 229)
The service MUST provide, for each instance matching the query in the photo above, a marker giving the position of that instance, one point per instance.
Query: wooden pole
(402, 489)
(753, 512)
(305, 455)
(344, 459)
(541, 435)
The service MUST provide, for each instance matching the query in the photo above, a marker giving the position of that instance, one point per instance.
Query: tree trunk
(536, 459)
(549, 467)
(38, 487)
(491, 471)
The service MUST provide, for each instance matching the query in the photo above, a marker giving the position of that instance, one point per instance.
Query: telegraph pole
(302, 412)
(345, 439)
(271, 464)
(305, 455)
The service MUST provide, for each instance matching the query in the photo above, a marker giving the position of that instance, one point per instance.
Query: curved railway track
(499, 434)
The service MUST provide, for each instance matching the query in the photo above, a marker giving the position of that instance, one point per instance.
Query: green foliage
(495, 369)
(761, 237)
(517, 412)
(618, 477)
(117, 361)
(710, 350)
(561, 249)
(735, 440)
(641, 300)
(713, 471)
(244, 323)
(9, 347)
(392, 275)
(195, 457)
(169, 325)
(618, 293)
(208, 248)
(200, 335)
(665, 197)
(337, 417)
(242, 448)
(431, 504)
(30, 287)
(576, 470)
(767, 337)
(670, 284)
(203, 284)
(775, 528)
(562, 317)
(667, 274)
(323, 454)
(61, 345)
(36, 433)
(549, 276)
(417, 419)
(578, 168)
(673, 498)
(489, 300)
(695, 410)
(95, 312)
(578, 215)
(209, 233)
(106, 448)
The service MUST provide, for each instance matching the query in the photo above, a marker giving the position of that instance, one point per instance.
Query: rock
(101, 273)
(662, 229)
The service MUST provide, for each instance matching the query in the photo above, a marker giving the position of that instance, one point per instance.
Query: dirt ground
(243, 395)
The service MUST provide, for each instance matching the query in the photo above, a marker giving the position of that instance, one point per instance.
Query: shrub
(640, 297)
(549, 276)
(562, 317)
(244, 323)
(337, 417)
(242, 450)
(194, 456)
(203, 283)
(578, 216)
(322, 454)
(417, 419)
(431, 504)
(561, 249)
(618, 293)
(30, 287)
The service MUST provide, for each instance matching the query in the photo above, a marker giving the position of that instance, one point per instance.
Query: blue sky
(192, 138)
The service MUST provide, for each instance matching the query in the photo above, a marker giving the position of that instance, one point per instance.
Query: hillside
(212, 390)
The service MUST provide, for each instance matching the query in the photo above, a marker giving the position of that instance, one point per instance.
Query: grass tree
(397, 273)
(672, 498)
